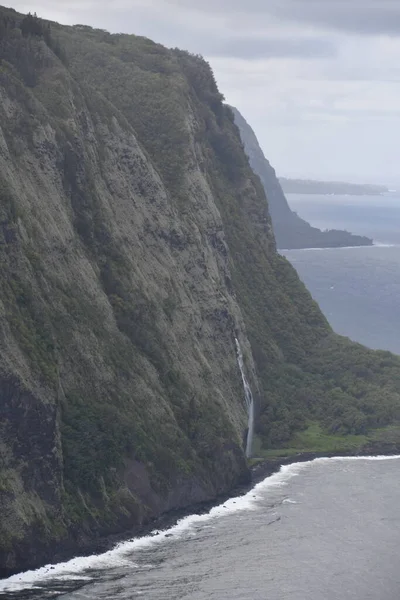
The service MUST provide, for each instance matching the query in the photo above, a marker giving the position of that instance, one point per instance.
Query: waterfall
(249, 400)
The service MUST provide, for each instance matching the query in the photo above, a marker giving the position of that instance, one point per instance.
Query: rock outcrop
(291, 231)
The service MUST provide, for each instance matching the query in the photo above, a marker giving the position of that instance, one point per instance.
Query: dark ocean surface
(358, 289)
(322, 530)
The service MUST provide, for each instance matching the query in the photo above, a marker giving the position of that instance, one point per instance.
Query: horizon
(336, 181)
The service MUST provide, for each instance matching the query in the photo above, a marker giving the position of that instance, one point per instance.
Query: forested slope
(135, 246)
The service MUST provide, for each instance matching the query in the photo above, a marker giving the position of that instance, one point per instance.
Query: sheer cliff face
(120, 391)
(290, 230)
(135, 245)
(277, 203)
(131, 229)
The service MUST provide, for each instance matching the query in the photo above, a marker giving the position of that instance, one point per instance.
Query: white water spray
(249, 400)
(87, 568)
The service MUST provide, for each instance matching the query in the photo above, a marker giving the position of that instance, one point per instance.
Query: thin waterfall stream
(249, 400)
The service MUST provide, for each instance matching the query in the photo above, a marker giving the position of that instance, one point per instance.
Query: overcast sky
(318, 80)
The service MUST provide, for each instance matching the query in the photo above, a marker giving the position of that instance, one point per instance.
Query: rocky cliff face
(120, 392)
(290, 230)
(135, 245)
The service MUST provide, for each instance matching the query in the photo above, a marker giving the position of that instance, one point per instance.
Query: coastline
(271, 465)
(259, 472)
(374, 245)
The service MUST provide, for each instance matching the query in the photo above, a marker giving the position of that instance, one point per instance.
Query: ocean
(358, 289)
(326, 529)
(320, 530)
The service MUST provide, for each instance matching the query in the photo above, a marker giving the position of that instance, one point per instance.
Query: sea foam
(122, 554)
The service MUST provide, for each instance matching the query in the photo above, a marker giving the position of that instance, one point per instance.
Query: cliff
(290, 230)
(135, 246)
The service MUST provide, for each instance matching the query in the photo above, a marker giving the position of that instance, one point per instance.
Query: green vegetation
(143, 80)
(134, 241)
(26, 317)
(315, 439)
(307, 373)
(20, 46)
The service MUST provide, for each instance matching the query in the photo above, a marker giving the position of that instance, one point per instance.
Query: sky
(318, 80)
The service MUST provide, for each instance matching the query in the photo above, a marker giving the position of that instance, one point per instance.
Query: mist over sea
(358, 289)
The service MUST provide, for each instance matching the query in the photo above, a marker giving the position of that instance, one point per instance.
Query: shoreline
(165, 521)
(373, 245)
(272, 465)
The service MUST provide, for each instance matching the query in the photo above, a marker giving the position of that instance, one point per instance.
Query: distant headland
(309, 186)
(291, 231)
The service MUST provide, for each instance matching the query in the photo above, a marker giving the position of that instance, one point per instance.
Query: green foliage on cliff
(96, 140)
(143, 81)
(135, 245)
(306, 371)
(301, 365)
(20, 44)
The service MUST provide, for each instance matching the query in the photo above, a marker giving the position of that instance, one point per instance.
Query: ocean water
(358, 289)
(374, 216)
(321, 530)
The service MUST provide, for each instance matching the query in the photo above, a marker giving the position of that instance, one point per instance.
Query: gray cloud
(250, 48)
(359, 16)
(318, 79)
(199, 27)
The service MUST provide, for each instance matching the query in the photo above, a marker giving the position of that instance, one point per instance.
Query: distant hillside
(290, 230)
(308, 186)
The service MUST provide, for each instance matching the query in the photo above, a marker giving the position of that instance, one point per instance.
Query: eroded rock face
(30, 471)
(120, 395)
(135, 246)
